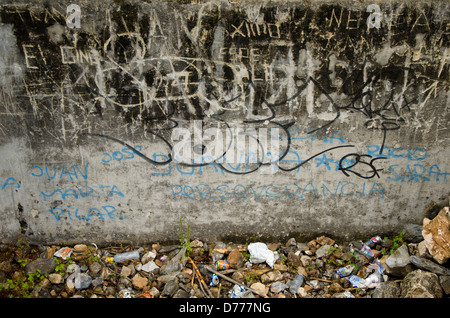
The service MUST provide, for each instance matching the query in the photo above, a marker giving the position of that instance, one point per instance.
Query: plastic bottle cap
(110, 259)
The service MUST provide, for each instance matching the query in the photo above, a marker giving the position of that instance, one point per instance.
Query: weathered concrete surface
(350, 99)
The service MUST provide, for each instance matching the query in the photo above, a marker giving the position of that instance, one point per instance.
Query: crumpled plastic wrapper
(64, 252)
(260, 253)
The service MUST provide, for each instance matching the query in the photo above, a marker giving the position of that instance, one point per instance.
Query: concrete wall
(243, 119)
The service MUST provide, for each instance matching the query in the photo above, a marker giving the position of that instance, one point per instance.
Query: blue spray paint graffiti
(290, 191)
(73, 173)
(81, 192)
(10, 183)
(123, 154)
(74, 214)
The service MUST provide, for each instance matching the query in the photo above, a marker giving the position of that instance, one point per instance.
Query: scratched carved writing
(354, 98)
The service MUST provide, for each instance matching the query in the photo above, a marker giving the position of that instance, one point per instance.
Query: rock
(421, 284)
(432, 210)
(323, 240)
(109, 291)
(445, 284)
(95, 267)
(437, 236)
(301, 292)
(44, 265)
(6, 266)
(413, 233)
(278, 287)
(335, 288)
(305, 260)
(302, 270)
(139, 282)
(314, 284)
(386, 290)
(260, 288)
(323, 251)
(181, 293)
(49, 251)
(218, 252)
(398, 264)
(80, 252)
(73, 268)
(302, 247)
(183, 278)
(147, 257)
(293, 259)
(291, 242)
(2, 277)
(70, 286)
(271, 276)
(175, 264)
(425, 222)
(105, 272)
(167, 249)
(197, 244)
(236, 259)
(422, 250)
(149, 267)
(56, 278)
(98, 281)
(273, 246)
(170, 288)
(238, 276)
(280, 267)
(82, 281)
(154, 292)
(127, 271)
(124, 283)
(429, 265)
(46, 283)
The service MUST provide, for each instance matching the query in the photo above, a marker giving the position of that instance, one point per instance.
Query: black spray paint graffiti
(150, 77)
(368, 108)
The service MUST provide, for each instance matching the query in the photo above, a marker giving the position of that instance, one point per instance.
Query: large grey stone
(413, 233)
(323, 251)
(429, 265)
(386, 290)
(398, 264)
(444, 280)
(421, 284)
(44, 265)
(170, 288)
(82, 281)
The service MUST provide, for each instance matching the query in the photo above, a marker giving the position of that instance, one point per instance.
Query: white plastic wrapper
(63, 253)
(260, 253)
